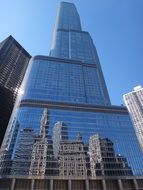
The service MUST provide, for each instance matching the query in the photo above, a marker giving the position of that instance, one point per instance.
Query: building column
(104, 184)
(51, 184)
(69, 184)
(87, 184)
(136, 184)
(120, 184)
(32, 184)
(12, 184)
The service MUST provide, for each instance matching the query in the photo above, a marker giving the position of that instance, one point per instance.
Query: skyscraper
(70, 42)
(13, 63)
(70, 85)
(6, 105)
(134, 103)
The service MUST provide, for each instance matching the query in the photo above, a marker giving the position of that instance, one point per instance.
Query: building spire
(67, 17)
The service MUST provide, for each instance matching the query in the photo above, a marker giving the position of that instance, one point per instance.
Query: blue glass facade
(63, 81)
(67, 17)
(116, 126)
(76, 45)
(65, 108)
(69, 41)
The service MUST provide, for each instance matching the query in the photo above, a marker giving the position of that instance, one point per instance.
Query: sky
(116, 27)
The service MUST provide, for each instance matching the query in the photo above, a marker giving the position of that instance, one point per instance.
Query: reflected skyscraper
(72, 158)
(70, 85)
(40, 147)
(60, 133)
(22, 156)
(104, 161)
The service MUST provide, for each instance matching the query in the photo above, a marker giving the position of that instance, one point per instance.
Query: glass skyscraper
(64, 132)
(14, 60)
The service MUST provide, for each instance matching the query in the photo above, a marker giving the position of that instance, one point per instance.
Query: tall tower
(70, 42)
(134, 103)
(14, 60)
(70, 85)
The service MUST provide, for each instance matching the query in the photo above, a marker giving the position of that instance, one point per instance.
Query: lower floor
(71, 184)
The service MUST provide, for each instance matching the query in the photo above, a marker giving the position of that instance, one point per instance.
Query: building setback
(13, 64)
(134, 103)
(70, 86)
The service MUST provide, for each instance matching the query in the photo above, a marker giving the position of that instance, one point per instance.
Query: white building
(94, 153)
(39, 153)
(72, 158)
(134, 103)
(60, 133)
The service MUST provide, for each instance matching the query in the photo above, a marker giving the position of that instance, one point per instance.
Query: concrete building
(134, 103)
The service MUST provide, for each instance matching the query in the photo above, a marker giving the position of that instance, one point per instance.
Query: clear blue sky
(116, 27)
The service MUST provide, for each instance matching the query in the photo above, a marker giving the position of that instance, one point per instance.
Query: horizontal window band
(60, 60)
(75, 107)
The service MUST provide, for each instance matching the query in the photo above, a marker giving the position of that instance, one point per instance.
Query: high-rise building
(134, 103)
(6, 106)
(13, 64)
(83, 82)
(70, 85)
